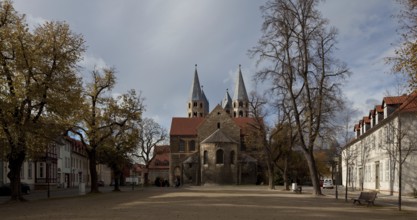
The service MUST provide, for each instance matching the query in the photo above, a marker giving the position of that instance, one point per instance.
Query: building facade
(384, 140)
(209, 147)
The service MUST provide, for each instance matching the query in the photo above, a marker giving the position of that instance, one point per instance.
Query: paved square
(230, 202)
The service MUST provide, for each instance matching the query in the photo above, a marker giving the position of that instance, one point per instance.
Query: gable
(218, 118)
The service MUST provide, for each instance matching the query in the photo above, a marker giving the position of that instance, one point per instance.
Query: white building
(383, 139)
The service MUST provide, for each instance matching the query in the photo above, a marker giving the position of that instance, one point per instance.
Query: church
(209, 147)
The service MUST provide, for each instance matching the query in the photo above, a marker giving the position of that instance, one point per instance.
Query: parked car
(327, 184)
(5, 189)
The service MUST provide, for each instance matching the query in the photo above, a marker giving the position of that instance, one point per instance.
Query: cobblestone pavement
(213, 202)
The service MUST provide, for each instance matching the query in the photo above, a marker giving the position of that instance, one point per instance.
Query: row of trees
(42, 96)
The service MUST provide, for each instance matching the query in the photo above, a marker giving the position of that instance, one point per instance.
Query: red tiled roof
(185, 126)
(394, 100)
(356, 127)
(410, 104)
(379, 109)
(160, 158)
(371, 113)
(366, 120)
(246, 123)
(161, 149)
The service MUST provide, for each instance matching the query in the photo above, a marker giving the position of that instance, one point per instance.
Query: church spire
(197, 103)
(240, 97)
(195, 93)
(240, 89)
(227, 102)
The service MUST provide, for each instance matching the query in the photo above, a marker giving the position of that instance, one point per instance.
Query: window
(218, 125)
(205, 157)
(240, 114)
(41, 171)
(195, 114)
(195, 104)
(182, 146)
(219, 156)
(192, 145)
(234, 114)
(201, 105)
(240, 104)
(201, 114)
(232, 157)
(189, 105)
(387, 173)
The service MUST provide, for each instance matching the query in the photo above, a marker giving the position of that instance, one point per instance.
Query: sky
(155, 44)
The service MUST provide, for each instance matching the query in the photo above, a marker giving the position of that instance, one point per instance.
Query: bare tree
(150, 135)
(298, 45)
(103, 115)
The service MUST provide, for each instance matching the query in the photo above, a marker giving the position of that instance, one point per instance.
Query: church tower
(198, 105)
(240, 98)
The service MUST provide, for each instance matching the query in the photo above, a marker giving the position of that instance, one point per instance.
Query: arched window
(219, 156)
(201, 105)
(218, 125)
(189, 105)
(232, 157)
(240, 104)
(234, 114)
(195, 104)
(182, 146)
(192, 145)
(205, 158)
(240, 114)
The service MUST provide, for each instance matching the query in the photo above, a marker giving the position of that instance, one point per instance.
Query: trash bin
(81, 188)
(294, 186)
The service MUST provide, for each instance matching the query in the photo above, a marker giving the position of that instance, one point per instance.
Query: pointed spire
(195, 93)
(227, 101)
(240, 89)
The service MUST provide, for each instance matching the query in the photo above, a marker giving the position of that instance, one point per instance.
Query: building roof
(240, 89)
(409, 104)
(218, 137)
(366, 120)
(394, 100)
(185, 126)
(379, 109)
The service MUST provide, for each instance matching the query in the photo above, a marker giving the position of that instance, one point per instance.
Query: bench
(368, 197)
(299, 189)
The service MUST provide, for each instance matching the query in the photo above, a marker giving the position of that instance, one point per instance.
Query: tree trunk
(271, 184)
(284, 174)
(116, 177)
(313, 172)
(93, 172)
(15, 166)
(146, 175)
